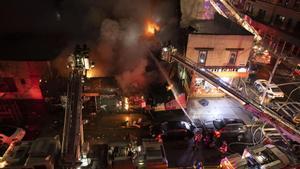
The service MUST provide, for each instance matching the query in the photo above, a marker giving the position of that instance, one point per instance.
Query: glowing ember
(151, 28)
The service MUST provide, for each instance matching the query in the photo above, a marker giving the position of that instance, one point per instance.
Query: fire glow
(151, 28)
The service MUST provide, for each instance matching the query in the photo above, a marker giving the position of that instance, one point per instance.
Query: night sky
(40, 30)
(113, 30)
(30, 30)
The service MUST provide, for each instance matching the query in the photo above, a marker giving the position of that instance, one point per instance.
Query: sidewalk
(217, 108)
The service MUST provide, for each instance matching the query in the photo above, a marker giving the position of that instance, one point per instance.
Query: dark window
(286, 3)
(249, 9)
(297, 27)
(279, 20)
(232, 57)
(288, 24)
(202, 56)
(7, 85)
(23, 82)
(8, 131)
(261, 15)
(297, 4)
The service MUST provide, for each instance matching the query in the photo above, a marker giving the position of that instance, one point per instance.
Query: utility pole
(278, 61)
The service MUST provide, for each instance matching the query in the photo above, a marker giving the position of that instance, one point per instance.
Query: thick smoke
(121, 51)
(119, 47)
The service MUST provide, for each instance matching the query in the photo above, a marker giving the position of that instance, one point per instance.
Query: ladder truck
(286, 129)
(231, 13)
(72, 139)
(225, 8)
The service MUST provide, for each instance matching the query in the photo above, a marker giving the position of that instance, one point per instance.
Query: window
(7, 84)
(202, 56)
(286, 3)
(261, 15)
(232, 57)
(297, 27)
(297, 4)
(288, 24)
(23, 82)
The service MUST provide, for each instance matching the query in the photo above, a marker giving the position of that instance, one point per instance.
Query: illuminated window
(232, 57)
(202, 56)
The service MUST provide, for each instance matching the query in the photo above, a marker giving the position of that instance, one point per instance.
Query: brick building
(21, 97)
(220, 46)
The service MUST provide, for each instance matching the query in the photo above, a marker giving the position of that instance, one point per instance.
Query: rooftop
(104, 85)
(218, 26)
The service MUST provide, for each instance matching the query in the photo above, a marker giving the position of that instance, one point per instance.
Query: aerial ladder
(231, 13)
(287, 129)
(72, 139)
(225, 8)
(260, 54)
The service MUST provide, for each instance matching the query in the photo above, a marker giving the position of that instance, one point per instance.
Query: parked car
(226, 128)
(174, 129)
(9, 134)
(273, 90)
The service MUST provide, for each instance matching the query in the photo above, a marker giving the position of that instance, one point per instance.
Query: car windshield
(275, 89)
(178, 125)
(264, 84)
(8, 131)
(218, 124)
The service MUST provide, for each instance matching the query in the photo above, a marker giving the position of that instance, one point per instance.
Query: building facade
(223, 51)
(277, 21)
(20, 92)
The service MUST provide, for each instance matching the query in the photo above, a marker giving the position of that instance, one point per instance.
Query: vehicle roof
(176, 124)
(232, 120)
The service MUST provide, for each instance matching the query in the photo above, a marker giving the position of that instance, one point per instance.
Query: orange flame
(151, 28)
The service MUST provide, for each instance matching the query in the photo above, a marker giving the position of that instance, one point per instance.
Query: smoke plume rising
(118, 46)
